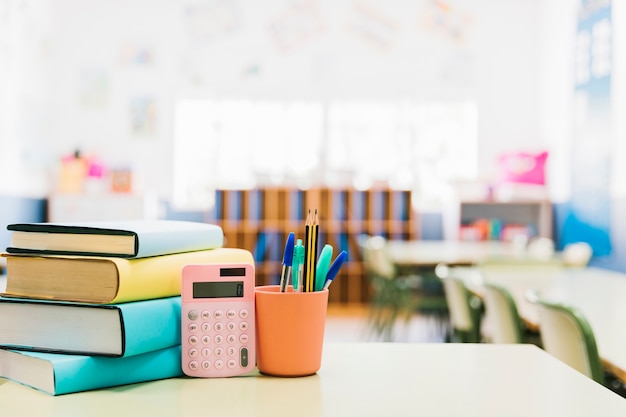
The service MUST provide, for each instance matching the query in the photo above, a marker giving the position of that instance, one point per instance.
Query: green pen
(323, 263)
(297, 269)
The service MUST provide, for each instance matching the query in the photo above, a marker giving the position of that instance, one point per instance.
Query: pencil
(314, 251)
(307, 252)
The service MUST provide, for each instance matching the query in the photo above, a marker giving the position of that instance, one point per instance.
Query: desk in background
(429, 253)
(418, 258)
(600, 294)
(356, 379)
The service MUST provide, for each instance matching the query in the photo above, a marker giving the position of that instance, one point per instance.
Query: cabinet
(100, 206)
(473, 220)
(260, 220)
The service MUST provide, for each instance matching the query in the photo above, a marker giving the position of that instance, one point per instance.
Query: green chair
(396, 295)
(503, 319)
(391, 296)
(500, 310)
(465, 309)
(567, 335)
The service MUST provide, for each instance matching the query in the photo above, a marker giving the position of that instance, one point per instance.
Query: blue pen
(334, 268)
(287, 261)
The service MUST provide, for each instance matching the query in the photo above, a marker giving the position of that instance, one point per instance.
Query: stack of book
(95, 305)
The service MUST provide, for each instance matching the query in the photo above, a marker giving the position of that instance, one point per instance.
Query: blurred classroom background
(412, 120)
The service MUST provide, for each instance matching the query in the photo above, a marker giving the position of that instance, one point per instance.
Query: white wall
(508, 45)
(375, 49)
(25, 28)
(557, 28)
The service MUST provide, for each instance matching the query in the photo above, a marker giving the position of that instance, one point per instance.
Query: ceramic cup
(289, 330)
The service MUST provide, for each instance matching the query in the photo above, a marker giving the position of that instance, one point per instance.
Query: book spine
(84, 373)
(150, 325)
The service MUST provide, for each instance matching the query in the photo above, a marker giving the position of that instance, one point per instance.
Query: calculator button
(206, 340)
(193, 352)
(243, 313)
(193, 365)
(243, 326)
(193, 314)
(206, 327)
(219, 364)
(243, 357)
(218, 314)
(206, 352)
(219, 351)
(206, 314)
(218, 339)
(243, 338)
(219, 327)
(206, 364)
(193, 340)
(231, 338)
(231, 363)
(192, 327)
(231, 351)
(230, 326)
(231, 314)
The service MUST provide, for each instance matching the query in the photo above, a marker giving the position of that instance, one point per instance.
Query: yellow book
(106, 280)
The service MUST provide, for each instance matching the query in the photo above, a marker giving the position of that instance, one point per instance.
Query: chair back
(567, 335)
(375, 258)
(458, 304)
(540, 249)
(463, 307)
(501, 311)
(577, 254)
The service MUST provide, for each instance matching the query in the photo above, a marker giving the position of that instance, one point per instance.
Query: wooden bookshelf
(260, 220)
(533, 217)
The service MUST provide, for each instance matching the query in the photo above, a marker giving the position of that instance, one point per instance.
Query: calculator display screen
(227, 289)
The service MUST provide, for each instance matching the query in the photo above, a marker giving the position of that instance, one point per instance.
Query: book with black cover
(124, 238)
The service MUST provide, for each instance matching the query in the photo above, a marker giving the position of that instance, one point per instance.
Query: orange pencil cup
(289, 330)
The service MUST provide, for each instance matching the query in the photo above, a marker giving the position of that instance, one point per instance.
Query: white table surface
(356, 379)
(452, 252)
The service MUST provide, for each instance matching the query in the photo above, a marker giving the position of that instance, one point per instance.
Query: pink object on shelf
(523, 167)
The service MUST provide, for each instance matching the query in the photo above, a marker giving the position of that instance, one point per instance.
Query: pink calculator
(218, 328)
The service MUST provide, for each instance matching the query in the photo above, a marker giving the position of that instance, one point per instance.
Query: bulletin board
(589, 218)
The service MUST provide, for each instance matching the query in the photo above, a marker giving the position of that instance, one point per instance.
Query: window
(245, 143)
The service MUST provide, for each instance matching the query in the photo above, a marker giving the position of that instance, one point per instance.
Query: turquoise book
(115, 330)
(124, 238)
(58, 374)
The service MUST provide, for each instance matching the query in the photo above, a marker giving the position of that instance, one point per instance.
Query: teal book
(58, 374)
(116, 330)
(124, 238)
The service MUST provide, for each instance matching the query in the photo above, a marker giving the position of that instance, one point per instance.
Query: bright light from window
(243, 144)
